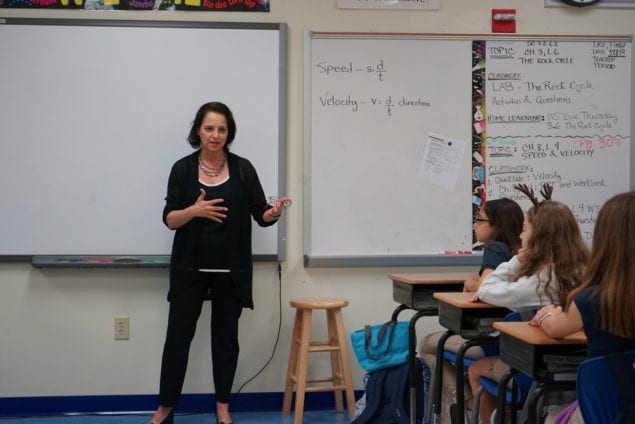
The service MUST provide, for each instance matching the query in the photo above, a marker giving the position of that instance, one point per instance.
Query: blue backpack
(388, 398)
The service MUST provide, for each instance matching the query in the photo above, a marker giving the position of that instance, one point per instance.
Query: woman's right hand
(201, 208)
(208, 208)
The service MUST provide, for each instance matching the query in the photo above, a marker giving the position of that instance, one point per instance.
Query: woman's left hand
(274, 212)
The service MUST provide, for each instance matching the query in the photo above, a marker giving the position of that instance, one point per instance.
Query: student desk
(523, 347)
(415, 291)
(470, 320)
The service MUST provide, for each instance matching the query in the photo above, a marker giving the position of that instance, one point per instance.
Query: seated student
(603, 303)
(545, 270)
(498, 226)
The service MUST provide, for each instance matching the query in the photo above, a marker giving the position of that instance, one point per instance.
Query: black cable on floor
(275, 345)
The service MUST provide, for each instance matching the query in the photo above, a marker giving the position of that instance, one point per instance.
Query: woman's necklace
(211, 171)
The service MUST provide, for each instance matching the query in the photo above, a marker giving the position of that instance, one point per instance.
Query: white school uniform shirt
(500, 289)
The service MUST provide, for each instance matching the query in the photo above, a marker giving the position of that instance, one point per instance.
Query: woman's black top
(244, 198)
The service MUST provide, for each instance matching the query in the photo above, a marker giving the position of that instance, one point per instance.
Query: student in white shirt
(549, 265)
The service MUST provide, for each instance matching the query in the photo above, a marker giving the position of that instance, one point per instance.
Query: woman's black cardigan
(183, 190)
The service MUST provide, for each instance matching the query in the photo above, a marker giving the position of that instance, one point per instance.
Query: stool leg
(302, 366)
(336, 366)
(293, 363)
(346, 364)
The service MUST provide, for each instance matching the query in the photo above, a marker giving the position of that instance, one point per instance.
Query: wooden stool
(301, 346)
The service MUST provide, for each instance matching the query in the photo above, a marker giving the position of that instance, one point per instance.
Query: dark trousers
(185, 309)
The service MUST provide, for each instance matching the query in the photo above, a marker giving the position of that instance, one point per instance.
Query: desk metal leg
(412, 361)
(502, 395)
(436, 386)
(460, 377)
(532, 408)
(541, 388)
(513, 410)
(397, 310)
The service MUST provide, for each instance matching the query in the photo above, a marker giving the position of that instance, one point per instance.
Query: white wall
(56, 326)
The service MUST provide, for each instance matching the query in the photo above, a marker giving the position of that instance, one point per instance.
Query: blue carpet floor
(310, 417)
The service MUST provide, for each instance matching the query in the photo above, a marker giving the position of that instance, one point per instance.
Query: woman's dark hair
(216, 107)
(506, 218)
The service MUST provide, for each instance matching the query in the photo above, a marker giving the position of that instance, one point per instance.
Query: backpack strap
(386, 392)
(624, 373)
(398, 381)
(374, 389)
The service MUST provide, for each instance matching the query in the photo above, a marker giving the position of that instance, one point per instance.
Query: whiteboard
(94, 113)
(374, 102)
(365, 153)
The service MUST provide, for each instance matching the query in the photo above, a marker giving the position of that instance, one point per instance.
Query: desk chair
(488, 344)
(514, 396)
(489, 347)
(598, 390)
(462, 363)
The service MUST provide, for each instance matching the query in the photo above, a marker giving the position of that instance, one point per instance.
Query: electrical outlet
(122, 328)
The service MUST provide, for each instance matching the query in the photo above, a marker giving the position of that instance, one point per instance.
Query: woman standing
(212, 196)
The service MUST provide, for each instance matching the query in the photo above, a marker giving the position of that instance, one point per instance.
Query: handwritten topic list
(557, 113)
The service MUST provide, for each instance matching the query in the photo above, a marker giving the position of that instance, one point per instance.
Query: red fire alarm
(503, 20)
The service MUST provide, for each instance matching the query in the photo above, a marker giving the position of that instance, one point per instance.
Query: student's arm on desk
(556, 323)
(500, 289)
(471, 285)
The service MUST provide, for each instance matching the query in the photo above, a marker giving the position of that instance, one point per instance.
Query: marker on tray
(126, 260)
(457, 252)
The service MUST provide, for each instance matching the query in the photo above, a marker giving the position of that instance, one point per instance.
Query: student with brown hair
(498, 227)
(549, 265)
(602, 304)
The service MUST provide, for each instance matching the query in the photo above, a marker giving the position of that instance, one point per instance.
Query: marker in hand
(279, 204)
(285, 201)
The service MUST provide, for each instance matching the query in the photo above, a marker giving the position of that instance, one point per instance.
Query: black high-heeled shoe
(169, 419)
(216, 415)
(222, 422)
